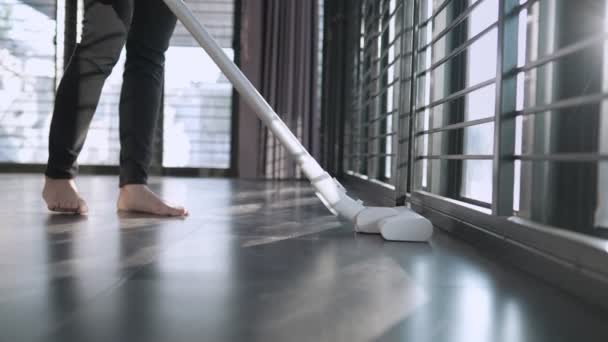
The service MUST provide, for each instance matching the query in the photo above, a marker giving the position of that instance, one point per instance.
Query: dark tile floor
(255, 261)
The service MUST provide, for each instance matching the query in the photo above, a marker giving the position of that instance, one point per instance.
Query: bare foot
(139, 198)
(61, 195)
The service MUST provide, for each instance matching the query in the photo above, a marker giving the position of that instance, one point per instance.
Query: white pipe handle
(320, 180)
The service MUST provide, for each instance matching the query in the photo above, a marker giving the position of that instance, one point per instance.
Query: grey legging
(146, 27)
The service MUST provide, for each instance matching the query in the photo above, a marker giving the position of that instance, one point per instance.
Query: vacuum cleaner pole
(329, 191)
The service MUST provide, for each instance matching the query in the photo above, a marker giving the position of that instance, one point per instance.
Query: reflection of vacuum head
(400, 224)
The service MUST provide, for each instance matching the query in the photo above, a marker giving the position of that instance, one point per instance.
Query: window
(27, 79)
(196, 123)
(561, 151)
(198, 97)
(504, 131)
(455, 98)
(529, 141)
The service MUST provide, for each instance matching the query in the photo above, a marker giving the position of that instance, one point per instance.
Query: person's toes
(71, 205)
(175, 211)
(82, 207)
(167, 211)
(64, 207)
(59, 206)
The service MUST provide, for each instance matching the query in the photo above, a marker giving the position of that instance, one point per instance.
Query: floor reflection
(252, 264)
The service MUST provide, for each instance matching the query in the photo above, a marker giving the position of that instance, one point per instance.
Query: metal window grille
(454, 82)
(378, 89)
(495, 105)
(551, 118)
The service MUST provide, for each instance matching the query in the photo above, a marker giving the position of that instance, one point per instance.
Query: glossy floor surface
(255, 261)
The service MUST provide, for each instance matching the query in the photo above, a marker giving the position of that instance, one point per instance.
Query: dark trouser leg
(151, 30)
(105, 30)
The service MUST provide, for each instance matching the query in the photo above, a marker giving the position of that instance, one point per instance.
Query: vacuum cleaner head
(394, 224)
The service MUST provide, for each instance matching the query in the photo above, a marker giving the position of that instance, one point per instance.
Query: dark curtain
(278, 53)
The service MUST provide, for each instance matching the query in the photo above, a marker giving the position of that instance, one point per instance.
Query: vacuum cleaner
(394, 224)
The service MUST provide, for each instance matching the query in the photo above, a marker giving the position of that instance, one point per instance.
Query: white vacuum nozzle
(367, 221)
(394, 224)
(406, 226)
